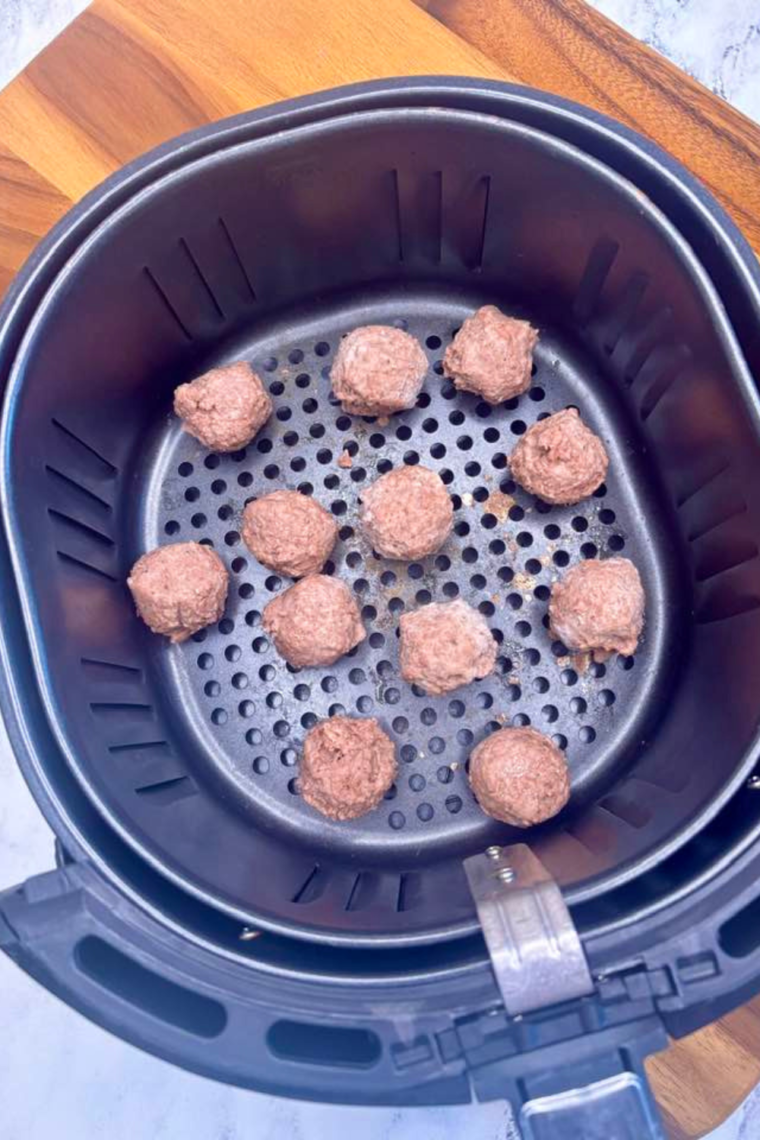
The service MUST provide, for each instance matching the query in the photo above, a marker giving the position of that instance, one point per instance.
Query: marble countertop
(66, 1077)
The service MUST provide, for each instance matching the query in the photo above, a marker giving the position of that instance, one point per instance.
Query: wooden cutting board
(128, 75)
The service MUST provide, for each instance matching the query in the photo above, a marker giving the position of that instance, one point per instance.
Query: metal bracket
(535, 950)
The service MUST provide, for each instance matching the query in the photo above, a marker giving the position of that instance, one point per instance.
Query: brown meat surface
(598, 605)
(559, 459)
(314, 622)
(224, 408)
(378, 370)
(519, 776)
(289, 532)
(348, 766)
(407, 513)
(445, 645)
(179, 589)
(492, 355)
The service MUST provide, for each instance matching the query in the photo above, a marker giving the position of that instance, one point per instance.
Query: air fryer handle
(615, 1108)
(175, 997)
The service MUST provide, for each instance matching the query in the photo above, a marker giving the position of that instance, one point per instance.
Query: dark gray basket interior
(269, 252)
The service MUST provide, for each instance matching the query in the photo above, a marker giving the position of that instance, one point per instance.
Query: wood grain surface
(565, 47)
(128, 75)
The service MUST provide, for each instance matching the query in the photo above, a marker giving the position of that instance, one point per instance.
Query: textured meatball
(598, 606)
(445, 645)
(559, 459)
(225, 407)
(378, 370)
(348, 766)
(289, 533)
(179, 589)
(314, 622)
(407, 513)
(519, 776)
(492, 355)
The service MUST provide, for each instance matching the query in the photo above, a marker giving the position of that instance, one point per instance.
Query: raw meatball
(491, 355)
(225, 407)
(519, 776)
(179, 589)
(314, 622)
(598, 606)
(348, 766)
(560, 459)
(289, 533)
(445, 645)
(407, 513)
(378, 370)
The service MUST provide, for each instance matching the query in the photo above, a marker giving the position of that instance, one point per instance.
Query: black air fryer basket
(199, 908)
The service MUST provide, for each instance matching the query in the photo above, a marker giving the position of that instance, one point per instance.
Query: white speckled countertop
(61, 1076)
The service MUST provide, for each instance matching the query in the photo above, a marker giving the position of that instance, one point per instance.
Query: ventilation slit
(598, 266)
(79, 488)
(167, 304)
(82, 528)
(69, 558)
(110, 468)
(236, 254)
(396, 207)
(202, 277)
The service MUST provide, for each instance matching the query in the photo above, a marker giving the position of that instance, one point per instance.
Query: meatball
(378, 370)
(519, 776)
(445, 645)
(289, 533)
(559, 459)
(491, 355)
(179, 589)
(314, 622)
(598, 606)
(224, 408)
(348, 765)
(407, 513)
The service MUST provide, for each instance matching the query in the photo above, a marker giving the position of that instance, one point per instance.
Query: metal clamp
(535, 950)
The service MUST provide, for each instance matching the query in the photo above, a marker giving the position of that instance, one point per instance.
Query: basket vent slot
(142, 988)
(324, 1045)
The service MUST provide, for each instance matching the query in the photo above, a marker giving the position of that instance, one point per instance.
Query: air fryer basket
(269, 248)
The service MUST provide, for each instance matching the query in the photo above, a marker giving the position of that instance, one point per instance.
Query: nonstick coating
(269, 251)
(250, 711)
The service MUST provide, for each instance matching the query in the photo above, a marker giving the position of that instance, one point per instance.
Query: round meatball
(348, 765)
(559, 459)
(314, 622)
(519, 776)
(445, 645)
(598, 606)
(407, 513)
(289, 533)
(378, 370)
(224, 408)
(492, 355)
(179, 589)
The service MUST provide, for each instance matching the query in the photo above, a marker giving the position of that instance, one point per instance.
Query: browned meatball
(314, 622)
(445, 645)
(559, 459)
(407, 513)
(598, 606)
(179, 589)
(492, 355)
(519, 776)
(378, 370)
(225, 407)
(348, 766)
(289, 533)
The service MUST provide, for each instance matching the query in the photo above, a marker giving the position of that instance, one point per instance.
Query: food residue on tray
(344, 459)
(499, 504)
